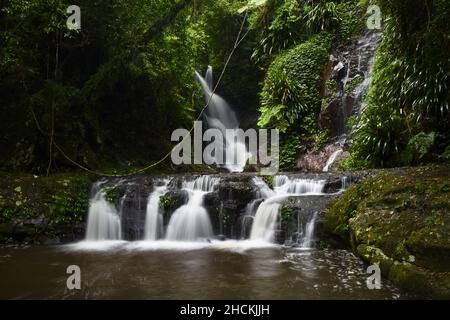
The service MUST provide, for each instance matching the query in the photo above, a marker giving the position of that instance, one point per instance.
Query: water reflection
(226, 270)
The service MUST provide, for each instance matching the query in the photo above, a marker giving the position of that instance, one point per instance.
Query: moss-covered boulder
(401, 220)
(43, 209)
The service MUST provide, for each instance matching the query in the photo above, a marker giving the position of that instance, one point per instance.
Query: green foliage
(409, 93)
(60, 199)
(112, 193)
(113, 92)
(446, 154)
(289, 150)
(322, 15)
(290, 98)
(287, 213)
(352, 163)
(321, 138)
(417, 148)
(291, 88)
(352, 18)
(268, 180)
(167, 201)
(351, 85)
(280, 25)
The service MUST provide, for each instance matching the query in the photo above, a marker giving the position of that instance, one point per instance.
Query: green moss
(287, 213)
(350, 86)
(269, 181)
(400, 220)
(60, 199)
(167, 201)
(112, 194)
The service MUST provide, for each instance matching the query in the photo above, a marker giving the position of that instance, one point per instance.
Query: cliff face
(401, 221)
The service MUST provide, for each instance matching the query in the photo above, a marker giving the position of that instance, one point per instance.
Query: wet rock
(133, 207)
(316, 160)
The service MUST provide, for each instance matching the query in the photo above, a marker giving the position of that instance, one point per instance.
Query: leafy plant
(289, 151)
(418, 147)
(279, 25)
(322, 15)
(291, 88)
(167, 201)
(409, 93)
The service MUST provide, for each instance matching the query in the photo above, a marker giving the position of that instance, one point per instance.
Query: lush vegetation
(109, 96)
(296, 40)
(35, 207)
(407, 119)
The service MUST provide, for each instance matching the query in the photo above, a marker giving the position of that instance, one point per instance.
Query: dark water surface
(229, 270)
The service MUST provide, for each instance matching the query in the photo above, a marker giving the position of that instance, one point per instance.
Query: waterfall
(263, 190)
(266, 217)
(220, 116)
(331, 160)
(103, 219)
(344, 183)
(285, 186)
(202, 183)
(191, 221)
(309, 232)
(154, 220)
(265, 222)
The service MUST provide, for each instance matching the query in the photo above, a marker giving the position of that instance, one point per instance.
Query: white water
(191, 221)
(103, 219)
(283, 186)
(267, 216)
(343, 183)
(265, 221)
(220, 116)
(309, 232)
(154, 221)
(331, 160)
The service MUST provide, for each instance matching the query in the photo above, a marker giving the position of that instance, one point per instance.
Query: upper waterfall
(219, 115)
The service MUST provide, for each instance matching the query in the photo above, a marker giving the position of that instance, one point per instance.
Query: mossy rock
(404, 214)
(33, 206)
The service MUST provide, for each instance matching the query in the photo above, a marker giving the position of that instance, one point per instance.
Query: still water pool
(167, 270)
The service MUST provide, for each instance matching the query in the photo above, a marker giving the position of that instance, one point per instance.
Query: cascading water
(331, 160)
(103, 218)
(343, 183)
(191, 221)
(265, 221)
(262, 192)
(154, 221)
(220, 116)
(357, 62)
(283, 186)
(309, 232)
(267, 215)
